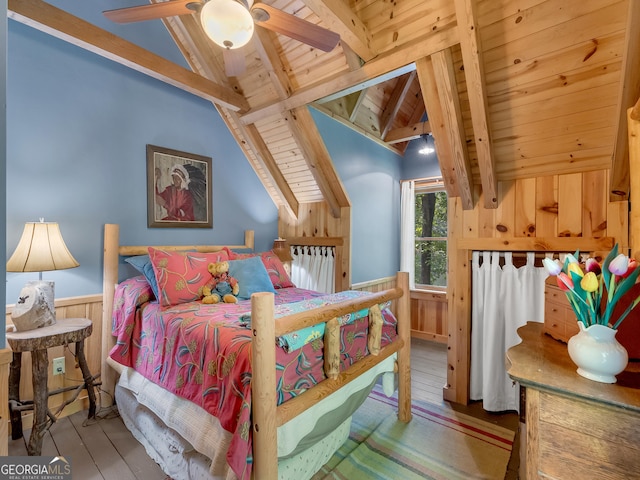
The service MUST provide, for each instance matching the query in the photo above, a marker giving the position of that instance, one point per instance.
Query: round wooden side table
(63, 332)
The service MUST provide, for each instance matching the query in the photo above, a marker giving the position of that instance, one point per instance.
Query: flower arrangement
(586, 286)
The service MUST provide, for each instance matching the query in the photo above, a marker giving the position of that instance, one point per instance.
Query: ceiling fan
(230, 24)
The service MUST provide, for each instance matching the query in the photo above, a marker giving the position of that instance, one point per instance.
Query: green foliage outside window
(431, 238)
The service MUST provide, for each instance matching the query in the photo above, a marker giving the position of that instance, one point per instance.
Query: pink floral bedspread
(203, 353)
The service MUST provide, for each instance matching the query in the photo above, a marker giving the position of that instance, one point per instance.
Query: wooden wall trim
(533, 244)
(316, 241)
(66, 302)
(372, 283)
(315, 225)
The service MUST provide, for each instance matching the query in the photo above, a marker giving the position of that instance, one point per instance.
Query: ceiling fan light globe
(227, 23)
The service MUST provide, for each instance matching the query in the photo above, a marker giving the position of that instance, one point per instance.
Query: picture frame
(179, 189)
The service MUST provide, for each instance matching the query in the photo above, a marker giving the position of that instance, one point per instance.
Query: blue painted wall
(150, 35)
(77, 130)
(371, 176)
(416, 165)
(77, 127)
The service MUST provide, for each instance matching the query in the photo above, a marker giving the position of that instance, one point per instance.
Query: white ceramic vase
(597, 353)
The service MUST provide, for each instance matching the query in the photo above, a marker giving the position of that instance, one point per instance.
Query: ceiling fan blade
(281, 22)
(234, 62)
(151, 11)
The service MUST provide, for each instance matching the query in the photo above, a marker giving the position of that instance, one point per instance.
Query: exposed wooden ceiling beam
(400, 60)
(452, 116)
(304, 131)
(271, 61)
(60, 24)
(356, 128)
(394, 103)
(196, 47)
(418, 111)
(353, 60)
(477, 92)
(339, 18)
(359, 97)
(257, 145)
(426, 76)
(367, 83)
(407, 133)
(629, 93)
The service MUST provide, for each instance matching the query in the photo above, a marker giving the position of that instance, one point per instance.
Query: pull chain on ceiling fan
(230, 24)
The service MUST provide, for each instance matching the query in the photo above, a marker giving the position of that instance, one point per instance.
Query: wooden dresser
(575, 428)
(559, 318)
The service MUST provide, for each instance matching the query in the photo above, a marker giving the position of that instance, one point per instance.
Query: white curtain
(313, 268)
(407, 230)
(504, 299)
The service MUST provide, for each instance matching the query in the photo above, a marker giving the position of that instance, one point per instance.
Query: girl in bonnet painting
(176, 198)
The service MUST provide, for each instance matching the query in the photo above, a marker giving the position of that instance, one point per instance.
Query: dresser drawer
(552, 293)
(559, 319)
(554, 321)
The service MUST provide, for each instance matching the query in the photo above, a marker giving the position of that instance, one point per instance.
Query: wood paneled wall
(429, 316)
(316, 220)
(428, 309)
(570, 205)
(543, 208)
(90, 307)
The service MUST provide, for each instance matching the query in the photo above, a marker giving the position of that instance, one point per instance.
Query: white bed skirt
(189, 444)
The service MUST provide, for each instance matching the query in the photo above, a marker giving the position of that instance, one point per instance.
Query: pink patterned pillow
(278, 275)
(181, 274)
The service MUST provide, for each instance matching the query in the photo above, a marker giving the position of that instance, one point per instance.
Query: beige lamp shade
(41, 248)
(281, 249)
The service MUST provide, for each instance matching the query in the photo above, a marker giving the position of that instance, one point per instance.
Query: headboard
(112, 253)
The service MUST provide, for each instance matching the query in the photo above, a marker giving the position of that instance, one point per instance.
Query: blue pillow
(252, 276)
(143, 264)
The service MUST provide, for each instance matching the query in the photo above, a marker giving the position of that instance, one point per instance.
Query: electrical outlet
(58, 366)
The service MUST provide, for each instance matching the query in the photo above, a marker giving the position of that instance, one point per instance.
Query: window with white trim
(430, 234)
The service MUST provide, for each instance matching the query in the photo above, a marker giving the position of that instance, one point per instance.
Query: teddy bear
(222, 287)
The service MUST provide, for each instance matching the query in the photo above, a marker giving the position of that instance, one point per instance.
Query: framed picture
(178, 189)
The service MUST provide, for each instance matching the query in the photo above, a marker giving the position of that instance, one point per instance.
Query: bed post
(404, 355)
(263, 384)
(109, 280)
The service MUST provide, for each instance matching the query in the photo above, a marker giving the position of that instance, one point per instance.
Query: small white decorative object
(597, 353)
(35, 307)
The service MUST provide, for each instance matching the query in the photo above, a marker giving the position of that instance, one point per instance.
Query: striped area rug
(439, 443)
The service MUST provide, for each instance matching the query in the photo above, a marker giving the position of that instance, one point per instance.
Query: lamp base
(35, 307)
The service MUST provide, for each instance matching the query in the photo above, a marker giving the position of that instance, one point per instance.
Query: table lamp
(41, 248)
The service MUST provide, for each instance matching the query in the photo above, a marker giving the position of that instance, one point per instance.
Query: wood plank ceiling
(544, 87)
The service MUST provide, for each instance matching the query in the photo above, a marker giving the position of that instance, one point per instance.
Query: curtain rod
(424, 180)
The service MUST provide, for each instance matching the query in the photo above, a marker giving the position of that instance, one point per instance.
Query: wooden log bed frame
(267, 416)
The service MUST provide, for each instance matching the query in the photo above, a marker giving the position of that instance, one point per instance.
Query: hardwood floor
(104, 448)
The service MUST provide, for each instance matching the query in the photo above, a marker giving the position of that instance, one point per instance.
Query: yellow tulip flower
(589, 282)
(575, 268)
